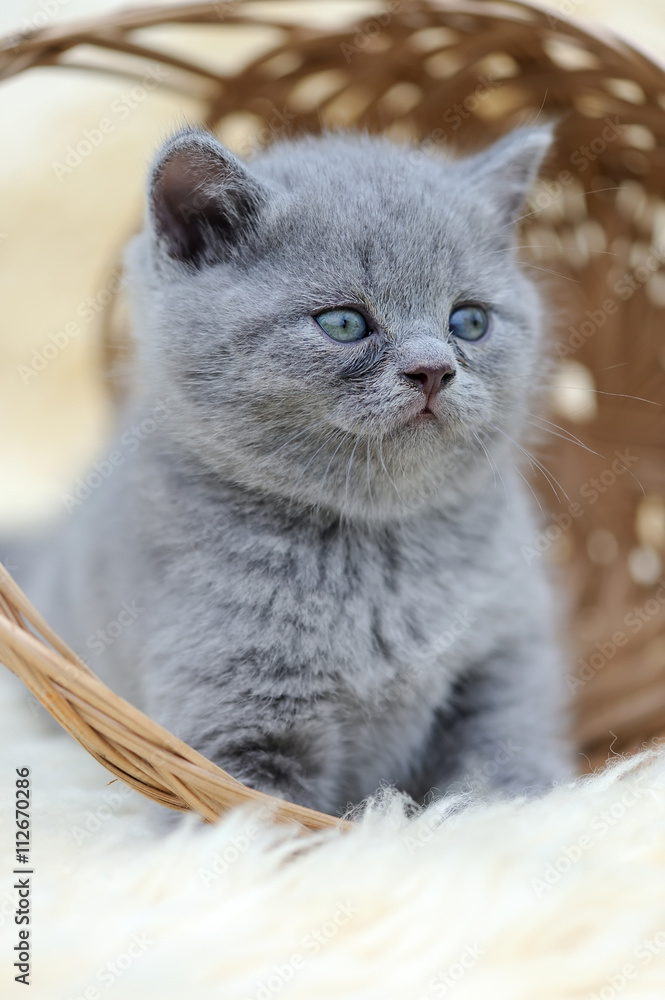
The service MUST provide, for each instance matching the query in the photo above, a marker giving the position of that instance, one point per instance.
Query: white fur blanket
(552, 899)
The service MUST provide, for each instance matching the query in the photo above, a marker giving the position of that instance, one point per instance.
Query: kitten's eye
(343, 324)
(468, 322)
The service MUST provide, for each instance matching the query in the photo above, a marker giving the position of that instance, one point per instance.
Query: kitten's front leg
(502, 728)
(275, 746)
(279, 760)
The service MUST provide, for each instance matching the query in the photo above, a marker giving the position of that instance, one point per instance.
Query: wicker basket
(463, 72)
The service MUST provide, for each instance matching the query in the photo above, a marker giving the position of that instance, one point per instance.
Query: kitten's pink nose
(431, 378)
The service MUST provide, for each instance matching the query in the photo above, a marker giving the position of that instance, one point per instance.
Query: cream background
(60, 237)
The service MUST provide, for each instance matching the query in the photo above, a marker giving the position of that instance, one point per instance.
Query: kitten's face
(343, 323)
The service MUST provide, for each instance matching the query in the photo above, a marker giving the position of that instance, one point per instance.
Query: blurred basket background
(455, 75)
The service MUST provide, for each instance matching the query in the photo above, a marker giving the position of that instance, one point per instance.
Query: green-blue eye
(343, 324)
(469, 322)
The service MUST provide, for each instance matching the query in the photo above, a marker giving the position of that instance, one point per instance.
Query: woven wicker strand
(404, 74)
(117, 734)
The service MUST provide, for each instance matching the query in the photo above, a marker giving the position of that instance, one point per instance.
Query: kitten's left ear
(505, 172)
(202, 200)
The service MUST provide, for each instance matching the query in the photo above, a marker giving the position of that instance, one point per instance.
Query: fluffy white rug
(546, 900)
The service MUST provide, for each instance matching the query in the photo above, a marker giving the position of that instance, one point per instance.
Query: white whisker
(533, 461)
(564, 435)
(348, 470)
(369, 485)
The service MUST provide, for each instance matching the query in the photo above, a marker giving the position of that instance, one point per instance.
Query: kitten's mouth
(424, 416)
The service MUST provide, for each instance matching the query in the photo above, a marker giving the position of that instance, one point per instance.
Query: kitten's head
(342, 322)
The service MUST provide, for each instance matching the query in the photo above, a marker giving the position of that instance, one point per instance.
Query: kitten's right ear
(504, 173)
(202, 200)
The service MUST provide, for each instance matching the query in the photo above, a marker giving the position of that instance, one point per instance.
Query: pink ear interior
(202, 200)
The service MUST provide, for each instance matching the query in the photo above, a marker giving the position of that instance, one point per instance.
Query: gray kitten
(303, 552)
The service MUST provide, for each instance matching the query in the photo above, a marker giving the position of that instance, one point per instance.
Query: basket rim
(170, 771)
(43, 45)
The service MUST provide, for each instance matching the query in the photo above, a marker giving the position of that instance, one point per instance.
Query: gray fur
(322, 599)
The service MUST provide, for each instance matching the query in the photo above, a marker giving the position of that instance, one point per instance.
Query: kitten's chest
(376, 615)
(371, 630)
